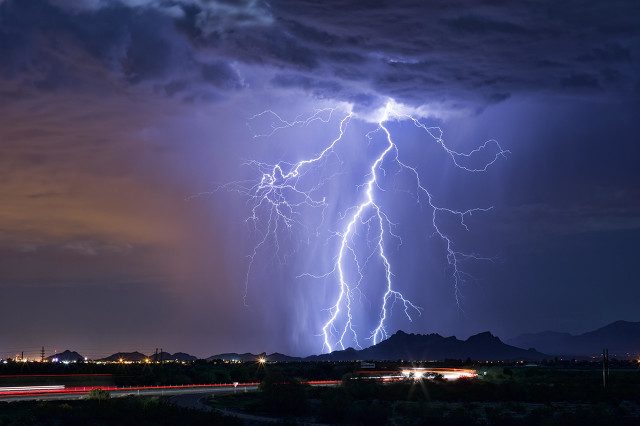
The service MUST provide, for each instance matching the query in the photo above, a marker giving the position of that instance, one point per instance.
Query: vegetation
(197, 372)
(99, 394)
(504, 396)
(115, 411)
(284, 396)
(553, 393)
(208, 372)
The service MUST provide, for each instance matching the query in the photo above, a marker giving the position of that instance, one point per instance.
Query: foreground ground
(520, 397)
(113, 411)
(500, 395)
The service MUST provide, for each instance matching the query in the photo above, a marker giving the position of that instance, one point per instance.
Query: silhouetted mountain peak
(484, 337)
(402, 337)
(622, 338)
(125, 356)
(278, 357)
(67, 355)
(428, 347)
(619, 326)
(166, 356)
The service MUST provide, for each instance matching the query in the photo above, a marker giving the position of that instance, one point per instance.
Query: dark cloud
(220, 75)
(480, 25)
(580, 81)
(476, 52)
(417, 52)
(51, 47)
(113, 112)
(310, 85)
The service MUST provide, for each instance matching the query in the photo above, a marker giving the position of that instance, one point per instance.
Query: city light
(445, 373)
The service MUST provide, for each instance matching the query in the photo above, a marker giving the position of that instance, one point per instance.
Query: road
(192, 397)
(79, 393)
(179, 390)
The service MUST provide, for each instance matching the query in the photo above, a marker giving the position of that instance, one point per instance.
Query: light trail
(445, 373)
(60, 390)
(416, 374)
(279, 198)
(86, 389)
(29, 389)
(55, 375)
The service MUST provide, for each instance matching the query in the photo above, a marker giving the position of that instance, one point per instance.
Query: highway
(179, 393)
(82, 392)
(186, 396)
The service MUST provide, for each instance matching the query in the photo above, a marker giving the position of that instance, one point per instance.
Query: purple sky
(114, 114)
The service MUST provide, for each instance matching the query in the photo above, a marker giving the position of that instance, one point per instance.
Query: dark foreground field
(505, 396)
(566, 394)
(107, 412)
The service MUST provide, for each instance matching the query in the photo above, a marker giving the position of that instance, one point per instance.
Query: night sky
(122, 121)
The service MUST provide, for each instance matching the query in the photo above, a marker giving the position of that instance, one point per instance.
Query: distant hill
(249, 357)
(181, 356)
(622, 338)
(66, 356)
(178, 356)
(125, 356)
(278, 357)
(232, 356)
(411, 347)
(419, 347)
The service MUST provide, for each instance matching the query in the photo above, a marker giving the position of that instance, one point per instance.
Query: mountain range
(413, 347)
(621, 338)
(125, 356)
(249, 357)
(178, 356)
(138, 357)
(434, 347)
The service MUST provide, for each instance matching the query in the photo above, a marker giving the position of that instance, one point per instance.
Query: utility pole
(605, 367)
(604, 371)
(160, 355)
(156, 359)
(608, 381)
(42, 355)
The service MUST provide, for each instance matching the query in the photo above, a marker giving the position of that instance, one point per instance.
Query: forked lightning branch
(279, 198)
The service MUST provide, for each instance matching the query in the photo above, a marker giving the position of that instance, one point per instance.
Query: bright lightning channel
(277, 198)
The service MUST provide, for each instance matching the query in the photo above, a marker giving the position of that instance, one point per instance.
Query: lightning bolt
(279, 198)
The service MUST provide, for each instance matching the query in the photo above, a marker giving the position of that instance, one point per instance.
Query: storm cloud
(458, 54)
(118, 118)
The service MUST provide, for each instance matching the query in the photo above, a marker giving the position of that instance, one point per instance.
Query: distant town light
(446, 373)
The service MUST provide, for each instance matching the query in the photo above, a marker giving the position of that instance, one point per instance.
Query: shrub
(99, 394)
